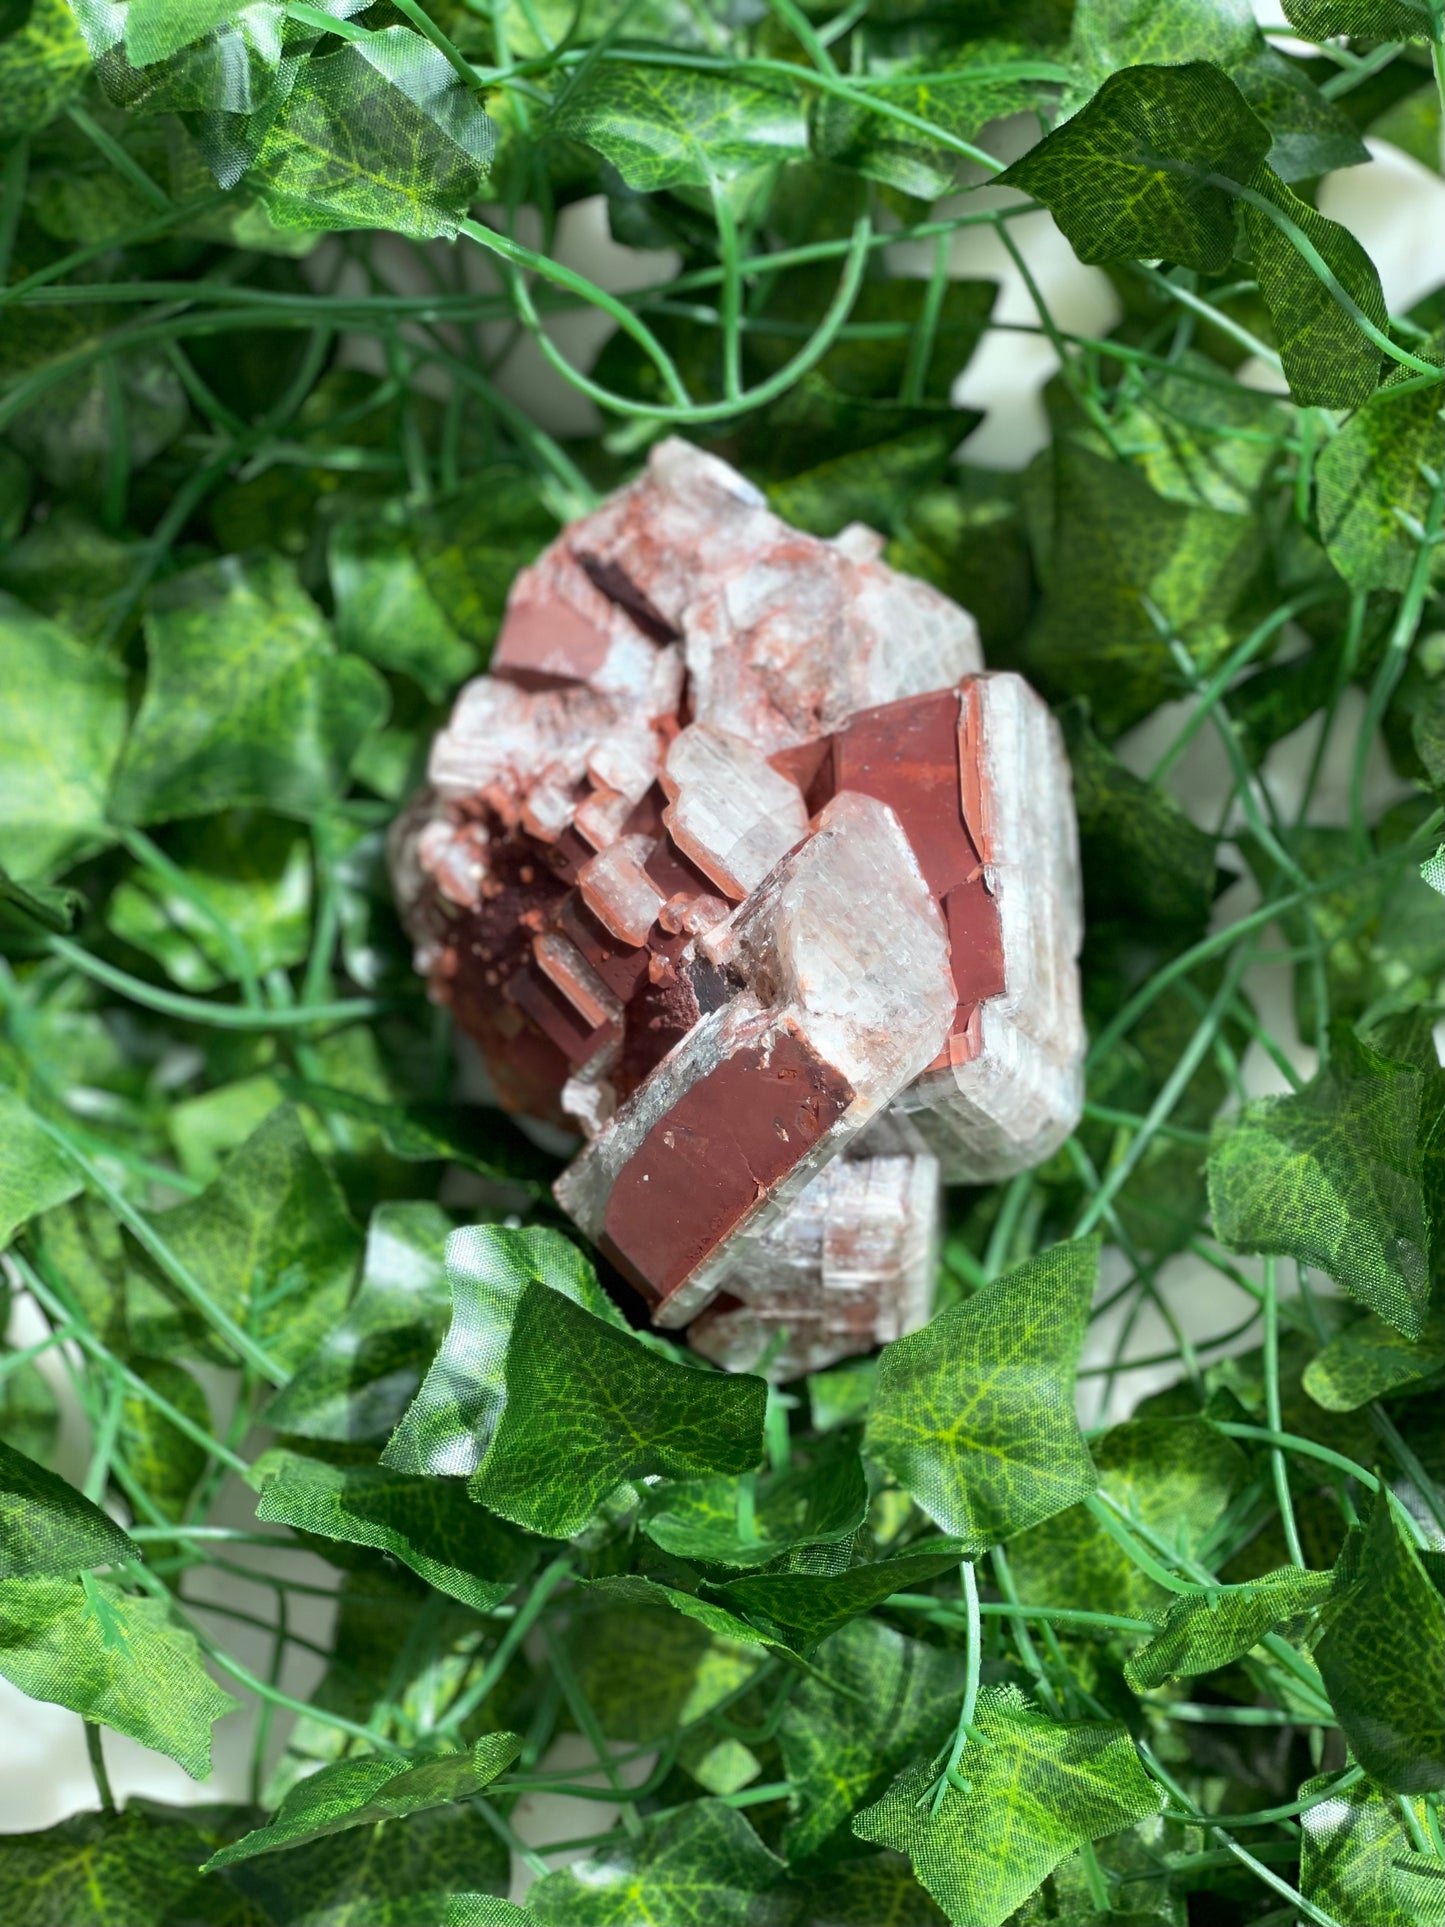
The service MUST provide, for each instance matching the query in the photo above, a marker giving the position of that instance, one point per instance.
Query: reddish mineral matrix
(740, 865)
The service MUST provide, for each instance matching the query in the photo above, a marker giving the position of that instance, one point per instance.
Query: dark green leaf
(470, 546)
(386, 612)
(1369, 1359)
(674, 126)
(371, 1787)
(165, 1462)
(246, 703)
(616, 1411)
(1354, 1854)
(429, 1524)
(1211, 1630)
(1370, 19)
(648, 1669)
(700, 1866)
(50, 907)
(127, 1869)
(798, 1609)
(749, 1522)
(113, 1658)
(974, 1415)
(46, 1526)
(877, 1890)
(1331, 1176)
(1382, 1658)
(1038, 1789)
(29, 1414)
(840, 1749)
(485, 1141)
(1370, 475)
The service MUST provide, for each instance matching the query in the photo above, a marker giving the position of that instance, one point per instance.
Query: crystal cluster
(741, 866)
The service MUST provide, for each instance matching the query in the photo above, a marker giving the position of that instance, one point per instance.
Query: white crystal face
(731, 811)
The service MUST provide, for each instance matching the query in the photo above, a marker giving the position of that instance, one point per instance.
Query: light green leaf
(1038, 1790)
(46, 1526)
(429, 1524)
(35, 1174)
(678, 127)
(1368, 476)
(386, 612)
(749, 1522)
(113, 1658)
(128, 1869)
(1382, 1658)
(842, 1394)
(29, 1414)
(43, 66)
(155, 29)
(62, 720)
(366, 1367)
(1212, 1630)
(246, 702)
(589, 1406)
(699, 1866)
(371, 1787)
(1369, 1359)
(1354, 1859)
(974, 1415)
(379, 134)
(1331, 1176)
(453, 1419)
(840, 1749)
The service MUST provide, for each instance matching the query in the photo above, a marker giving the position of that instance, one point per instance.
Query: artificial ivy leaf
(1367, 19)
(713, 1618)
(679, 127)
(1203, 443)
(1127, 178)
(128, 1869)
(165, 1462)
(1382, 1658)
(29, 1414)
(46, 1526)
(155, 29)
(114, 1658)
(470, 546)
(379, 134)
(748, 1522)
(1331, 1176)
(719, 1766)
(450, 1424)
(43, 66)
(247, 701)
(252, 869)
(798, 1609)
(429, 1524)
(269, 1239)
(35, 1174)
(1038, 1790)
(874, 1889)
(870, 484)
(1208, 1630)
(365, 1368)
(840, 1749)
(1354, 1854)
(481, 1140)
(1175, 1476)
(1369, 1359)
(1328, 361)
(612, 1410)
(46, 904)
(62, 721)
(699, 1866)
(1142, 856)
(371, 1787)
(842, 1394)
(974, 1415)
(1370, 474)
(386, 612)
(649, 1670)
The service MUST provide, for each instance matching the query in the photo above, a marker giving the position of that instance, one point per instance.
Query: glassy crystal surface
(739, 864)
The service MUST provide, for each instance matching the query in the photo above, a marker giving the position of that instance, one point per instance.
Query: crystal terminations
(739, 864)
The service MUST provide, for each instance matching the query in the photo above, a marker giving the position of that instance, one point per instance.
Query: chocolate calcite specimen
(741, 865)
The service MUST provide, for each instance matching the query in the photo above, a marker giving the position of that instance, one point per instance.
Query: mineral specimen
(739, 864)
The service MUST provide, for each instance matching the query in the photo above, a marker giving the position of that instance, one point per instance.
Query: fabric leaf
(1369, 1359)
(1213, 1629)
(1368, 476)
(821, 1504)
(1355, 1859)
(46, 1526)
(798, 1609)
(673, 127)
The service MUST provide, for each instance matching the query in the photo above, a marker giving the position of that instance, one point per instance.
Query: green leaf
(974, 1415)
(648, 1669)
(1382, 1659)
(1369, 19)
(367, 1366)
(52, 908)
(35, 1174)
(1129, 177)
(874, 1889)
(429, 1524)
(371, 1787)
(482, 1140)
(246, 702)
(749, 1522)
(678, 127)
(1354, 1859)
(128, 1869)
(269, 1240)
(798, 1609)
(614, 1411)
(29, 1414)
(165, 1462)
(1175, 1476)
(470, 546)
(1214, 1629)
(871, 484)
(154, 29)
(840, 1749)
(1369, 1359)
(1368, 476)
(386, 612)
(113, 1658)
(1201, 443)
(842, 1394)
(451, 1423)
(1038, 1790)
(1328, 361)
(62, 720)
(1331, 1176)
(699, 1866)
(254, 872)
(379, 134)
(43, 66)
(46, 1526)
